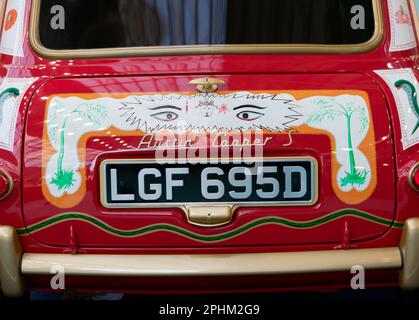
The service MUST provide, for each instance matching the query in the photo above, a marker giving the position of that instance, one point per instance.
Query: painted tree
(64, 178)
(331, 110)
(5, 95)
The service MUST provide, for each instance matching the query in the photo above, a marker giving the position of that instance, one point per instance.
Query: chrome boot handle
(207, 85)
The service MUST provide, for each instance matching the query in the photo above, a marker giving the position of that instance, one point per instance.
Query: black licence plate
(143, 183)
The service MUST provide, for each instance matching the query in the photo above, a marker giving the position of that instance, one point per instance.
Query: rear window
(95, 24)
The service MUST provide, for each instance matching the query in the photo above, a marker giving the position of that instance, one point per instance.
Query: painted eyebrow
(165, 107)
(249, 106)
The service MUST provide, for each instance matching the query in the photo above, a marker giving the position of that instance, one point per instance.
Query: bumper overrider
(14, 264)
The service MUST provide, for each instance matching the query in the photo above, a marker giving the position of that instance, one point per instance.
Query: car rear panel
(346, 208)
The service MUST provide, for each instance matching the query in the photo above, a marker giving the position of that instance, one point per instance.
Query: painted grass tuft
(63, 179)
(354, 179)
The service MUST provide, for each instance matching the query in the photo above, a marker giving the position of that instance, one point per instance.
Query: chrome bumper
(212, 264)
(11, 280)
(14, 265)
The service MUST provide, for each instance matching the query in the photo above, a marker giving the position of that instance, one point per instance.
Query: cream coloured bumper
(14, 265)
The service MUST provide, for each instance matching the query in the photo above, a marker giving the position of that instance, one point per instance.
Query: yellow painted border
(40, 49)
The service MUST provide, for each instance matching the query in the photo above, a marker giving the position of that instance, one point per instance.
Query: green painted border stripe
(212, 238)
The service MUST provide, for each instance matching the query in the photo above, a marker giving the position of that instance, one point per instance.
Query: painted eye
(166, 116)
(249, 115)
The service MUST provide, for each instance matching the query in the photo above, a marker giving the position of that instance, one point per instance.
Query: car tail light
(414, 177)
(6, 184)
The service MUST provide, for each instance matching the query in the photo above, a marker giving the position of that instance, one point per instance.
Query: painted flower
(223, 109)
(402, 17)
(11, 18)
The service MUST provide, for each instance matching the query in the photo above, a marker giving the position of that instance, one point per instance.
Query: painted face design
(70, 118)
(249, 112)
(166, 113)
(209, 112)
(206, 107)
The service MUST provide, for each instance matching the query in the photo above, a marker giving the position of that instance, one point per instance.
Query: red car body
(80, 225)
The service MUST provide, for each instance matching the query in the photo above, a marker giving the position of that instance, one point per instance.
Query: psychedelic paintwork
(401, 23)
(257, 223)
(344, 117)
(11, 94)
(403, 85)
(13, 26)
(410, 90)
